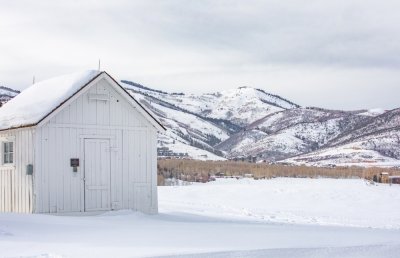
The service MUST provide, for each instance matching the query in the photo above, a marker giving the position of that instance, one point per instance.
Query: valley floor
(282, 217)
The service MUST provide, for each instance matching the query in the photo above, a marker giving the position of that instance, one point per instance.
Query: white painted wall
(16, 189)
(132, 154)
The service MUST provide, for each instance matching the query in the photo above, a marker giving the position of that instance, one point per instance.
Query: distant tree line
(140, 86)
(177, 168)
(278, 97)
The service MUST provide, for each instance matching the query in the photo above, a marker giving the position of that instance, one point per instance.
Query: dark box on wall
(74, 162)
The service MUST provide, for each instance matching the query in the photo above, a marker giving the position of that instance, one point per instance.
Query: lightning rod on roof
(99, 64)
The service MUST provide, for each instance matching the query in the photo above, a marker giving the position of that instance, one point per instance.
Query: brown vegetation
(195, 170)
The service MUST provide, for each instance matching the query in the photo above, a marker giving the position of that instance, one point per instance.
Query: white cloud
(336, 54)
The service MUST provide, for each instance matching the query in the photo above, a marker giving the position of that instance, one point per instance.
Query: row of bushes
(177, 168)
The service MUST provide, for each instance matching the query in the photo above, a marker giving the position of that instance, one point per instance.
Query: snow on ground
(226, 218)
(341, 202)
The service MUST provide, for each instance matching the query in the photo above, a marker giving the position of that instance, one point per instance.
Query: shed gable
(99, 105)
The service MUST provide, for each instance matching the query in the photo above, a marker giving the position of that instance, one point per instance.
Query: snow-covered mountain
(311, 136)
(291, 132)
(248, 122)
(6, 94)
(374, 141)
(238, 107)
(204, 121)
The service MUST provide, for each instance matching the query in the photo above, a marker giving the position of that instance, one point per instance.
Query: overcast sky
(332, 54)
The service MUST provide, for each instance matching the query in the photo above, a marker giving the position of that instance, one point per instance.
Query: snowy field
(336, 202)
(228, 218)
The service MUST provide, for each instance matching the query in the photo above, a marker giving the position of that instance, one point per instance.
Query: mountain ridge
(251, 124)
(6, 94)
(287, 133)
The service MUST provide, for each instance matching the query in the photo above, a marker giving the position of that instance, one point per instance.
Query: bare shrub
(200, 171)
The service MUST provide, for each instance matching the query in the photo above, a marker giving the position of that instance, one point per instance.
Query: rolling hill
(251, 124)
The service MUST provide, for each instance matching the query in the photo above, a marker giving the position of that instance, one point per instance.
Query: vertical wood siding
(132, 154)
(6, 189)
(16, 189)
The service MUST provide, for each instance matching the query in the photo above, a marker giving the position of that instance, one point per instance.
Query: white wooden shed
(77, 143)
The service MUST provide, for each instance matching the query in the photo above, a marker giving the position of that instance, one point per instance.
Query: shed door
(97, 174)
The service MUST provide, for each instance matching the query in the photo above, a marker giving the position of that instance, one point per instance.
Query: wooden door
(97, 175)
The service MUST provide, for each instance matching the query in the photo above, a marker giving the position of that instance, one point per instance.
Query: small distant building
(77, 143)
(384, 177)
(394, 179)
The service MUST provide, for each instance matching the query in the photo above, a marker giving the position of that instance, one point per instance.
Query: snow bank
(221, 219)
(342, 202)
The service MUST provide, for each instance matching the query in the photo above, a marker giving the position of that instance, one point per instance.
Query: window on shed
(8, 152)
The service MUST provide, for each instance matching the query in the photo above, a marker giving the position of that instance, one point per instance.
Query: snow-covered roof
(40, 99)
(35, 103)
